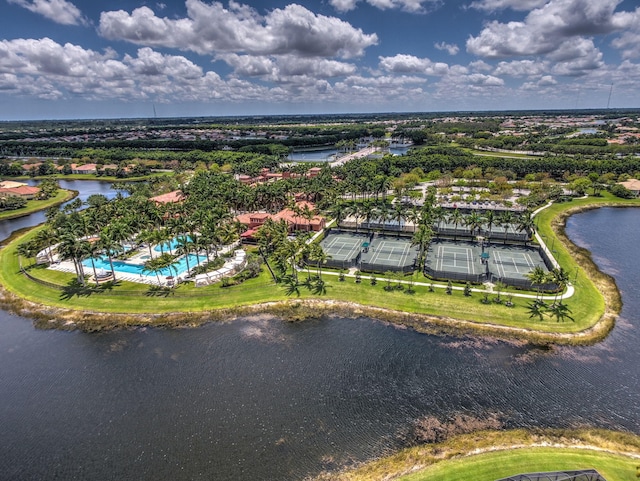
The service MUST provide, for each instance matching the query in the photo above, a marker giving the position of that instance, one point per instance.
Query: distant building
(84, 169)
(295, 219)
(24, 191)
(169, 198)
(9, 184)
(633, 185)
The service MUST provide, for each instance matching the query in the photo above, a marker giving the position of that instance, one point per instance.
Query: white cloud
(60, 11)
(483, 80)
(152, 63)
(451, 48)
(521, 68)
(494, 5)
(546, 29)
(414, 6)
(213, 29)
(286, 68)
(404, 64)
(628, 43)
(249, 65)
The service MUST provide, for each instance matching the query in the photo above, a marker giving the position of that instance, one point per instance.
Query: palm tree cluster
(114, 226)
(538, 308)
(288, 255)
(482, 223)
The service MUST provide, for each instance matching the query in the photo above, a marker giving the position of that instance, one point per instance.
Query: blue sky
(122, 58)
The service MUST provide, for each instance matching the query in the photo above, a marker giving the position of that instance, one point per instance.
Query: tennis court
(459, 261)
(455, 258)
(511, 263)
(343, 248)
(389, 254)
(479, 262)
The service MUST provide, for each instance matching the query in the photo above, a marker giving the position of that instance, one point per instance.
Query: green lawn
(491, 455)
(587, 305)
(36, 205)
(500, 464)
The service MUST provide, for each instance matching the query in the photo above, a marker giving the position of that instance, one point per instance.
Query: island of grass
(427, 306)
(35, 205)
(492, 455)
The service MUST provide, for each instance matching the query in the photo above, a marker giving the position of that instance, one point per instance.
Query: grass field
(587, 304)
(492, 455)
(500, 464)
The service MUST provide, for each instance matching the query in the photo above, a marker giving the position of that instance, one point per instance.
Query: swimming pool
(125, 267)
(169, 246)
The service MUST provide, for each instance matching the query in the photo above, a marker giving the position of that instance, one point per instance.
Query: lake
(263, 399)
(85, 189)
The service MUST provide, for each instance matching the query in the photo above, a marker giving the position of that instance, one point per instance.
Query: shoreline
(423, 456)
(49, 317)
(71, 194)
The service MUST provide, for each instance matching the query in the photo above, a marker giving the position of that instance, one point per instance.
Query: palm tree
(109, 246)
(147, 236)
(27, 249)
(537, 276)
(505, 221)
(183, 247)
(120, 232)
(320, 256)
(474, 222)
(75, 249)
(526, 224)
(490, 220)
(353, 210)
(560, 277)
(399, 214)
(456, 218)
(155, 265)
(93, 250)
(338, 211)
(421, 238)
(46, 238)
(438, 214)
(366, 212)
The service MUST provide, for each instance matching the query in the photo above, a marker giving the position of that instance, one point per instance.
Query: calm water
(327, 155)
(85, 187)
(263, 399)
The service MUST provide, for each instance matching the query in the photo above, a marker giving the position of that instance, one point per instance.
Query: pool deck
(138, 259)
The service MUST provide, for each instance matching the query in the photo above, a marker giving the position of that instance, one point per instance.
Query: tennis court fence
(375, 267)
(343, 264)
(524, 283)
(582, 475)
(454, 276)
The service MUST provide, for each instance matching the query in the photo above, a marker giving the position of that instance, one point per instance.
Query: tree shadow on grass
(159, 291)
(74, 288)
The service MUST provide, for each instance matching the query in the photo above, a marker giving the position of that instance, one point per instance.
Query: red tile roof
(169, 197)
(23, 190)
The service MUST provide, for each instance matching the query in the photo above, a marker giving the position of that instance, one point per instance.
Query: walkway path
(356, 155)
(489, 288)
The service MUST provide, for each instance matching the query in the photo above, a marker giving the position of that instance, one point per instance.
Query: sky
(62, 59)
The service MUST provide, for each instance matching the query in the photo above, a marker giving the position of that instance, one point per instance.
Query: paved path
(356, 155)
(489, 288)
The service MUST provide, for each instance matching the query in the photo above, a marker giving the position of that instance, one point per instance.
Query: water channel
(262, 399)
(85, 188)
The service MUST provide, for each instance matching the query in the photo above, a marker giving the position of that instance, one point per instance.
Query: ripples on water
(263, 399)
